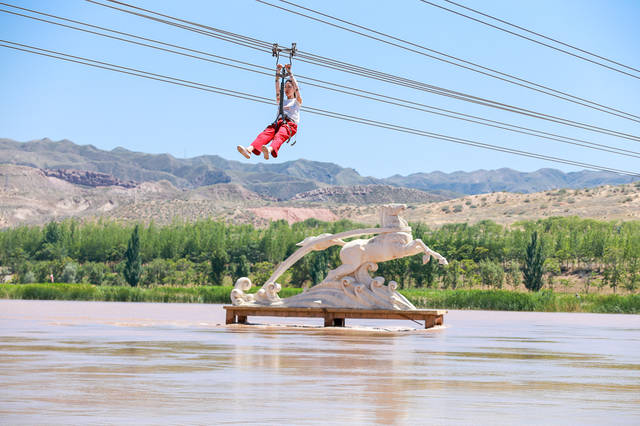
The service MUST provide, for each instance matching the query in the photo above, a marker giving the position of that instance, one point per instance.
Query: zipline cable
(249, 40)
(135, 37)
(131, 71)
(534, 33)
(309, 81)
(338, 65)
(317, 111)
(490, 72)
(302, 57)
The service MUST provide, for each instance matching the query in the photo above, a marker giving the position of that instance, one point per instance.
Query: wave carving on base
(357, 291)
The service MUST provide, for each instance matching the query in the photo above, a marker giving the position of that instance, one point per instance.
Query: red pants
(279, 132)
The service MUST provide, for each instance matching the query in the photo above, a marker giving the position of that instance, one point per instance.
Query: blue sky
(43, 97)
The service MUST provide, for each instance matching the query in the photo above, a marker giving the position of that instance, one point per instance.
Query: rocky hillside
(44, 180)
(368, 194)
(29, 196)
(276, 180)
(621, 202)
(85, 178)
(33, 196)
(281, 181)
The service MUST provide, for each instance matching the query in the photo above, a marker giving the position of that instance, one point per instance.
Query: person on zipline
(285, 127)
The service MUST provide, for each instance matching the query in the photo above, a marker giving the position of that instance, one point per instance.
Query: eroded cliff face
(88, 178)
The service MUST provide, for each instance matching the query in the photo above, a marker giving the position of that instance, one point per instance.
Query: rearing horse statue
(350, 284)
(383, 247)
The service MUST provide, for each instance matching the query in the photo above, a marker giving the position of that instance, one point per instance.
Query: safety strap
(286, 123)
(275, 51)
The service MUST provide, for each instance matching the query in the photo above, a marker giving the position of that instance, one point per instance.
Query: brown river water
(147, 363)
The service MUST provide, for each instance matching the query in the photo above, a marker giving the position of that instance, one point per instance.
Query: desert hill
(281, 181)
(608, 202)
(45, 180)
(276, 180)
(31, 196)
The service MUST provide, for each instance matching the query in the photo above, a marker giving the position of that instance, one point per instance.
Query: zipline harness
(276, 50)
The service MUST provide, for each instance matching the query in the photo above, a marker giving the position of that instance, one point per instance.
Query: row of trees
(484, 254)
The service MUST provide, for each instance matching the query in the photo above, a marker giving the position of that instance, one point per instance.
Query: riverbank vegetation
(504, 300)
(578, 255)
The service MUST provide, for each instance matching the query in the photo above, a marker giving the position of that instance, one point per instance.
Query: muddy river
(146, 363)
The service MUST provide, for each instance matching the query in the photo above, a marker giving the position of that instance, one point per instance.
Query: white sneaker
(266, 151)
(244, 151)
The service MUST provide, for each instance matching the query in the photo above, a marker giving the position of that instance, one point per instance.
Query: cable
(338, 65)
(199, 31)
(255, 98)
(135, 37)
(531, 32)
(461, 96)
(509, 78)
(308, 80)
(245, 39)
(135, 72)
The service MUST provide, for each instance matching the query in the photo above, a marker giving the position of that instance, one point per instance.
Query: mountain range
(299, 179)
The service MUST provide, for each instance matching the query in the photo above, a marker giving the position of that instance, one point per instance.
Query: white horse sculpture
(349, 285)
(383, 247)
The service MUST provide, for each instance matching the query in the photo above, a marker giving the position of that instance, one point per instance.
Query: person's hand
(279, 67)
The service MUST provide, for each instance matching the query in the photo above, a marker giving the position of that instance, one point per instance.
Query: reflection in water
(91, 362)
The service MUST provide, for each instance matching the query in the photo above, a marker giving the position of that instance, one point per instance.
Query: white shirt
(291, 109)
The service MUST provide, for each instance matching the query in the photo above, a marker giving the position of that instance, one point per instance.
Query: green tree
(614, 269)
(317, 267)
(260, 273)
(632, 280)
(133, 264)
(218, 260)
(552, 269)
(94, 272)
(451, 277)
(52, 245)
(420, 273)
(533, 264)
(565, 283)
(491, 273)
(243, 267)
(28, 278)
(69, 272)
(470, 272)
(514, 275)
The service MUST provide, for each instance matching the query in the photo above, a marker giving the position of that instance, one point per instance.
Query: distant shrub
(93, 273)
(113, 279)
(69, 272)
(28, 278)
